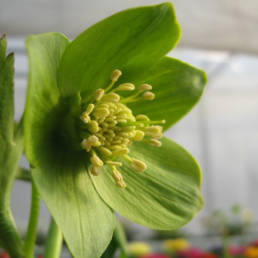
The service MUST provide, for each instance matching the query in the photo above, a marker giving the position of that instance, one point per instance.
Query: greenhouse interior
(220, 131)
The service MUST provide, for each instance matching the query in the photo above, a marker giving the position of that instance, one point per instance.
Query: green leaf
(177, 86)
(85, 220)
(10, 151)
(130, 40)
(44, 53)
(6, 95)
(165, 196)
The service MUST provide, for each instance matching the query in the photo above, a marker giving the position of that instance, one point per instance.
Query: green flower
(94, 141)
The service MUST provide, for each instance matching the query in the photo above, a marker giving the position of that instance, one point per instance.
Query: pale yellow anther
(145, 86)
(114, 163)
(138, 135)
(126, 87)
(93, 126)
(94, 170)
(155, 142)
(89, 108)
(148, 95)
(111, 97)
(138, 165)
(121, 152)
(154, 131)
(121, 184)
(105, 151)
(115, 75)
(85, 117)
(94, 141)
(85, 145)
(99, 94)
(142, 118)
(96, 161)
(101, 112)
(116, 174)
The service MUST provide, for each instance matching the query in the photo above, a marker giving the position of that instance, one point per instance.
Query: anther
(85, 145)
(93, 126)
(94, 170)
(154, 131)
(148, 95)
(101, 112)
(138, 165)
(138, 135)
(115, 75)
(99, 94)
(121, 184)
(142, 118)
(155, 142)
(121, 152)
(125, 87)
(145, 86)
(94, 141)
(114, 163)
(95, 160)
(111, 97)
(105, 151)
(89, 108)
(85, 117)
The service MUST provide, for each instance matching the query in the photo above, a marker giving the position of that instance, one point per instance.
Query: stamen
(116, 174)
(93, 126)
(111, 97)
(105, 151)
(89, 108)
(138, 135)
(101, 113)
(94, 170)
(96, 161)
(142, 117)
(99, 94)
(125, 87)
(145, 86)
(155, 142)
(121, 184)
(154, 131)
(121, 152)
(148, 95)
(115, 75)
(114, 163)
(85, 145)
(138, 165)
(85, 117)
(94, 141)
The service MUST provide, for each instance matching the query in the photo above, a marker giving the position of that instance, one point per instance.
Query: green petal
(85, 220)
(177, 86)
(130, 40)
(165, 196)
(44, 53)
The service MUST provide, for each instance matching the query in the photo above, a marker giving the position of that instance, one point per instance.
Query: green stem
(31, 233)
(54, 241)
(9, 158)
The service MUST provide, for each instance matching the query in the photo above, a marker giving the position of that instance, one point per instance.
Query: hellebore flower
(95, 111)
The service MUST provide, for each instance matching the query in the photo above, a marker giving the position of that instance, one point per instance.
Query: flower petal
(130, 40)
(165, 196)
(44, 53)
(177, 86)
(85, 220)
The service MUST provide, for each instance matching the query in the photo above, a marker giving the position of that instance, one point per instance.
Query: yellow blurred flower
(251, 252)
(176, 245)
(138, 248)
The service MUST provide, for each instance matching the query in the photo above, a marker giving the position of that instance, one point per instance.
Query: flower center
(109, 127)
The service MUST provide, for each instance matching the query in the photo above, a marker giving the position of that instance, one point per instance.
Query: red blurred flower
(40, 256)
(255, 243)
(208, 255)
(4, 255)
(236, 250)
(190, 253)
(154, 255)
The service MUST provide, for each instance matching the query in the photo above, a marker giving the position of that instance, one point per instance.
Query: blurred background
(219, 37)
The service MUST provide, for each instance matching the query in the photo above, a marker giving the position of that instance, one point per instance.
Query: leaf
(85, 220)
(10, 151)
(61, 178)
(130, 40)
(44, 53)
(6, 95)
(177, 86)
(165, 196)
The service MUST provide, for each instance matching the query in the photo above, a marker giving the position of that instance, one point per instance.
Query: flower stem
(31, 233)
(54, 241)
